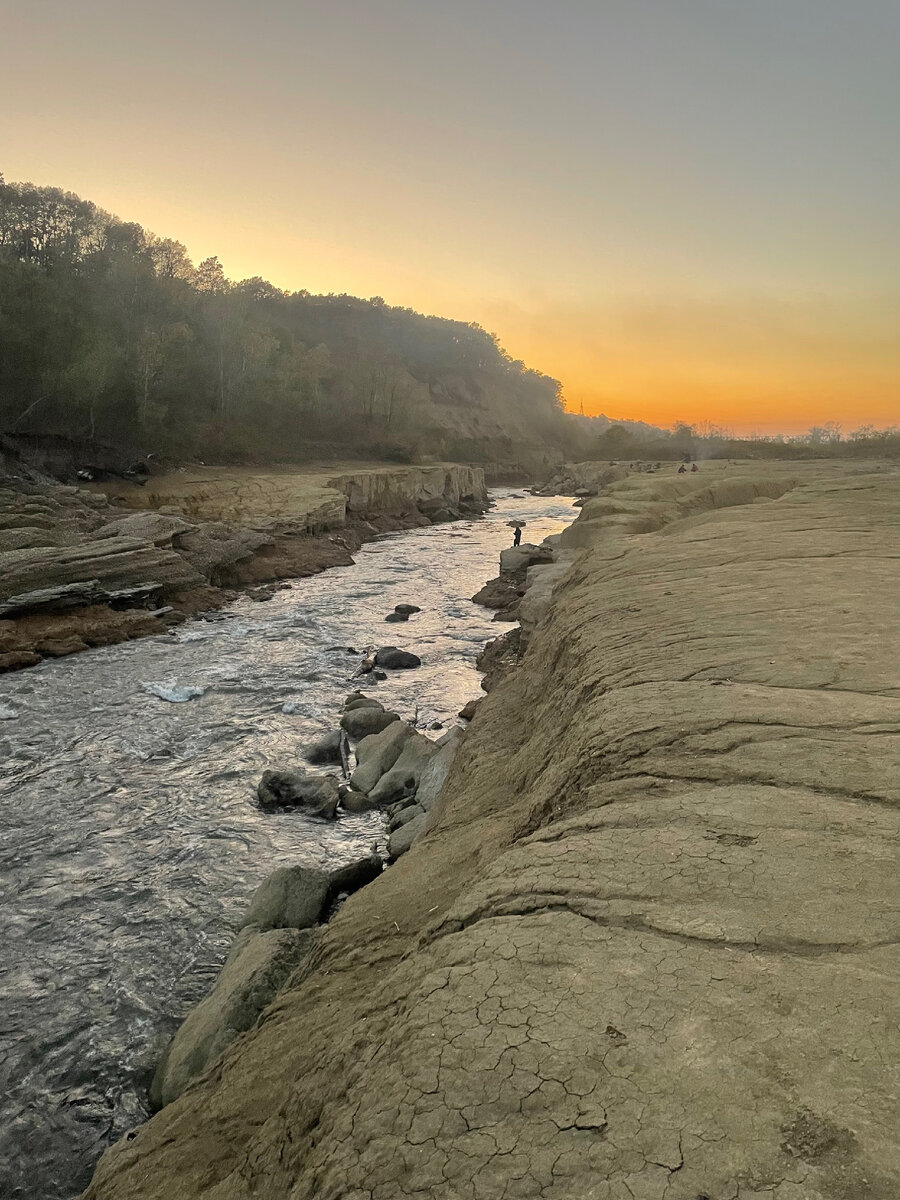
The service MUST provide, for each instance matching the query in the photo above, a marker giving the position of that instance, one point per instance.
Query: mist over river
(131, 840)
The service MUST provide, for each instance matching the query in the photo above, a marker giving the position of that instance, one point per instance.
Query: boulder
(289, 898)
(434, 775)
(517, 558)
(257, 967)
(405, 814)
(377, 754)
(325, 749)
(362, 722)
(468, 710)
(501, 593)
(354, 801)
(395, 617)
(406, 608)
(403, 777)
(355, 875)
(362, 702)
(400, 841)
(316, 794)
(396, 660)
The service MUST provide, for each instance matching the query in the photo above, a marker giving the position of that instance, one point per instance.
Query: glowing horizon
(681, 215)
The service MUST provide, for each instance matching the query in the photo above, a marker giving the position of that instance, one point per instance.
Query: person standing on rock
(517, 536)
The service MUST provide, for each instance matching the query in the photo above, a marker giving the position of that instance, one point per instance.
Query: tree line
(111, 334)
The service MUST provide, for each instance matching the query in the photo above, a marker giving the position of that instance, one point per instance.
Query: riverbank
(648, 948)
(82, 567)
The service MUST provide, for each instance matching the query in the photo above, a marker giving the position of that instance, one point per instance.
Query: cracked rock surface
(649, 945)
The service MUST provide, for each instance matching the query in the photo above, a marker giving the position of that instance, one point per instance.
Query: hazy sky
(683, 209)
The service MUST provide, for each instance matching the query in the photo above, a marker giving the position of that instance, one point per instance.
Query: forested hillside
(111, 336)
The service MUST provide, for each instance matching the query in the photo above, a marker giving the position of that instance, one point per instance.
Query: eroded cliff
(648, 949)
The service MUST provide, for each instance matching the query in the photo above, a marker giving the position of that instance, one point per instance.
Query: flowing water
(131, 841)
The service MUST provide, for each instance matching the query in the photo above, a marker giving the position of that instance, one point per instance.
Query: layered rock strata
(76, 571)
(649, 947)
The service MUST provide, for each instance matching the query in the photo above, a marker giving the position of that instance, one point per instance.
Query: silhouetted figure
(682, 470)
(517, 536)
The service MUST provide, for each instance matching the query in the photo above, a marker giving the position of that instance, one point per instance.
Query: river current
(131, 840)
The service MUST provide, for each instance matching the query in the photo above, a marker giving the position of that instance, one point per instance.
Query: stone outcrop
(72, 561)
(648, 947)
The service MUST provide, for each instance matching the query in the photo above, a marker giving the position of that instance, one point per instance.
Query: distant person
(517, 536)
(682, 470)
(694, 467)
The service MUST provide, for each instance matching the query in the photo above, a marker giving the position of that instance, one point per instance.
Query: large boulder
(377, 754)
(316, 794)
(517, 558)
(403, 777)
(362, 722)
(396, 660)
(257, 967)
(435, 772)
(289, 898)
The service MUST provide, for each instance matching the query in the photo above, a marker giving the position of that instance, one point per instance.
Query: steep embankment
(649, 950)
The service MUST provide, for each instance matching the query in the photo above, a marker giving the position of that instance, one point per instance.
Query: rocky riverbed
(81, 568)
(649, 951)
(133, 837)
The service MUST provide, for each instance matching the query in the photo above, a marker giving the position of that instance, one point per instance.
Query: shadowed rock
(361, 722)
(316, 794)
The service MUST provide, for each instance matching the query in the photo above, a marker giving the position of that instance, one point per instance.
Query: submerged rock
(406, 609)
(316, 794)
(396, 660)
(396, 616)
(354, 801)
(326, 749)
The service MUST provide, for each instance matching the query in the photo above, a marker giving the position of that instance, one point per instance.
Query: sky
(685, 210)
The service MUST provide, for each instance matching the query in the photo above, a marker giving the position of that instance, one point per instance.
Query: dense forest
(111, 336)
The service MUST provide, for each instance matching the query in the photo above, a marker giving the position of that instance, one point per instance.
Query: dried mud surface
(650, 948)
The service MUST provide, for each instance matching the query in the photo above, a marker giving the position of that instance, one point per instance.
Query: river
(131, 837)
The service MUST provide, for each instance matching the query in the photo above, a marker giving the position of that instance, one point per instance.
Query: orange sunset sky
(682, 209)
